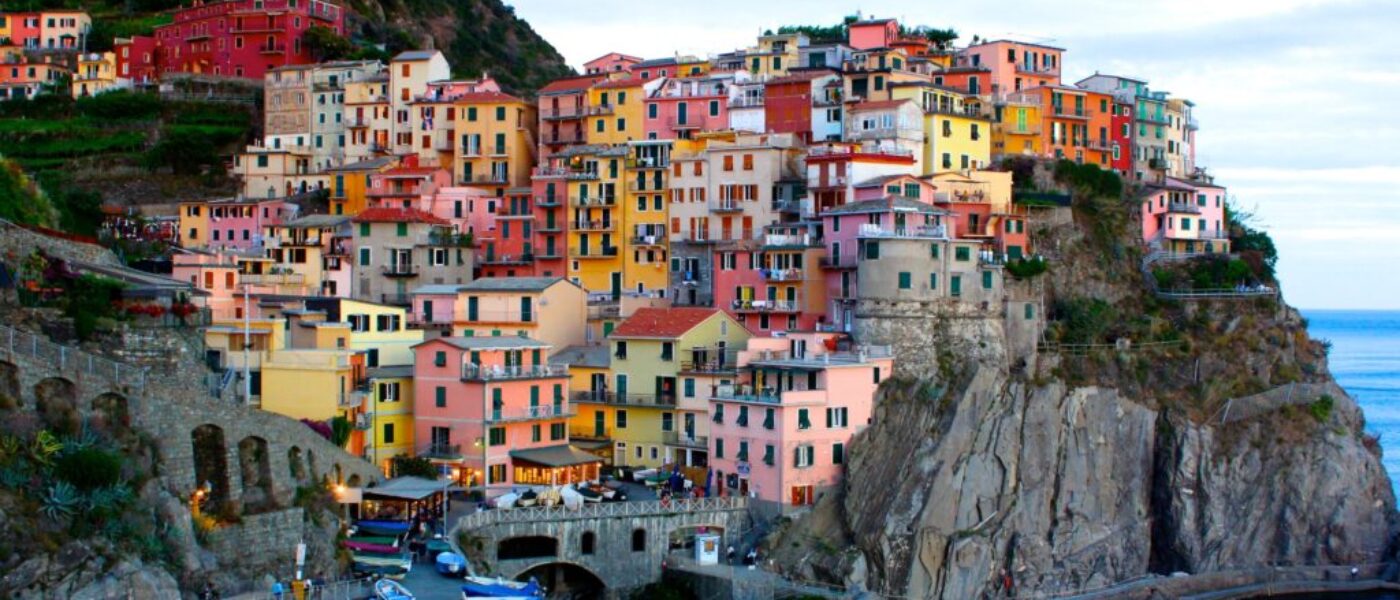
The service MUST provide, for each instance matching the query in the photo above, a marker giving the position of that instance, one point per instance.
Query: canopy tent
(555, 465)
(408, 488)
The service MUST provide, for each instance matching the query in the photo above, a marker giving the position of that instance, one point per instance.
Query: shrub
(89, 468)
(1321, 408)
(415, 466)
(1022, 268)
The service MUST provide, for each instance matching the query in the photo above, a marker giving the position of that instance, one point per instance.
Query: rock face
(1053, 489)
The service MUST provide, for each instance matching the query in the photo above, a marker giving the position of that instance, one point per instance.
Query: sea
(1365, 360)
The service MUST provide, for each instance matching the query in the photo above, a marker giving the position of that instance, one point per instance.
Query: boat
(392, 571)
(388, 589)
(370, 547)
(437, 546)
(528, 498)
(589, 495)
(501, 589)
(451, 563)
(382, 528)
(383, 560)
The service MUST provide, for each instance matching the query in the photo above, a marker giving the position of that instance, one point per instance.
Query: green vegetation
(1205, 273)
(1026, 268)
(941, 38)
(1088, 178)
(340, 430)
(20, 200)
(1321, 409)
(1253, 245)
(325, 44)
(1083, 320)
(413, 466)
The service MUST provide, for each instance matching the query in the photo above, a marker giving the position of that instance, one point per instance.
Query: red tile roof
(571, 84)
(471, 97)
(621, 83)
(397, 215)
(663, 322)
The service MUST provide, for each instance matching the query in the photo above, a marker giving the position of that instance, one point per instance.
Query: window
(639, 540)
(748, 162)
(440, 397)
(668, 421)
(497, 436)
(587, 543)
(875, 373)
(836, 417)
(743, 420)
(803, 455)
(714, 108)
(557, 431)
(599, 125)
(667, 352)
(388, 436)
(838, 453)
(719, 447)
(933, 281)
(962, 254)
(535, 432)
(803, 422)
(689, 387)
(905, 281)
(496, 474)
(768, 415)
(986, 280)
(620, 418)
(1030, 311)
(872, 250)
(719, 414)
(439, 359)
(621, 350)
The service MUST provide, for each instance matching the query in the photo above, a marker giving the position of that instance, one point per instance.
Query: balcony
(955, 110)
(592, 225)
(471, 372)
(597, 110)
(352, 399)
(836, 262)
(357, 122)
(1153, 119)
(530, 413)
(604, 310)
(601, 397)
(685, 439)
(782, 274)
(589, 432)
(400, 270)
(508, 259)
(548, 201)
(679, 124)
(461, 240)
(1069, 113)
(1041, 70)
(746, 102)
(766, 306)
(547, 227)
(487, 179)
(869, 230)
(726, 206)
(1098, 145)
(580, 175)
(788, 240)
(272, 49)
(587, 202)
(1183, 207)
(549, 172)
(444, 144)
(272, 278)
(555, 113)
(648, 240)
(1027, 129)
(396, 299)
(1157, 164)
(830, 182)
(768, 395)
(441, 450)
(549, 254)
(587, 253)
(500, 316)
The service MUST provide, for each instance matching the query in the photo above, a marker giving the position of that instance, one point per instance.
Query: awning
(408, 488)
(555, 456)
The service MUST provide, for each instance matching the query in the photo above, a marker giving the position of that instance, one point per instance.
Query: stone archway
(112, 411)
(11, 396)
(337, 475)
(255, 467)
(211, 463)
(311, 466)
(353, 481)
(296, 465)
(565, 579)
(56, 400)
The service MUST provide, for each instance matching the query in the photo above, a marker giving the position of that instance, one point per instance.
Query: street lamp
(200, 494)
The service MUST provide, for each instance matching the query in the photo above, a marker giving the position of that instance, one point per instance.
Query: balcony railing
(688, 123)
(869, 230)
(598, 109)
(746, 102)
(600, 397)
(531, 413)
(488, 178)
(595, 252)
(1063, 111)
(352, 399)
(400, 270)
(356, 122)
(604, 311)
(441, 450)
(550, 172)
(508, 259)
(272, 278)
(788, 239)
(396, 299)
(592, 201)
(471, 372)
(592, 225)
(500, 316)
(548, 201)
(831, 182)
(782, 274)
(590, 432)
(273, 48)
(845, 260)
(450, 239)
(767, 305)
(1183, 207)
(518, 210)
(563, 112)
(685, 439)
(726, 206)
(649, 240)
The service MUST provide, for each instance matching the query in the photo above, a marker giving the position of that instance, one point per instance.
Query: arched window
(639, 540)
(586, 545)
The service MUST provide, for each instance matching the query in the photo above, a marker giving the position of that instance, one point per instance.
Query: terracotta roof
(571, 84)
(663, 322)
(486, 97)
(620, 83)
(879, 104)
(384, 214)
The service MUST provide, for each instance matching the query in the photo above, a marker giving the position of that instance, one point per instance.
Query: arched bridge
(622, 544)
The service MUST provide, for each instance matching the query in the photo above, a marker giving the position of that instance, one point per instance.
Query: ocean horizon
(1365, 361)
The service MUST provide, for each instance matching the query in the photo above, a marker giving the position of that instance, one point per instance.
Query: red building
(1121, 137)
(242, 38)
(971, 80)
(136, 58)
(788, 101)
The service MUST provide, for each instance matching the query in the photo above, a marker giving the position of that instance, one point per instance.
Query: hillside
(1149, 436)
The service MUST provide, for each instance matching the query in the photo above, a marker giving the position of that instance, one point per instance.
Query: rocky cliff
(1199, 437)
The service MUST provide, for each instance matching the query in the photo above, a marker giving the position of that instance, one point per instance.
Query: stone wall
(17, 242)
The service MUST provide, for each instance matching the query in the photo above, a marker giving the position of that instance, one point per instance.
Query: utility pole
(247, 346)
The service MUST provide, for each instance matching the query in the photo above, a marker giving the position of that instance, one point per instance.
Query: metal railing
(508, 259)
(782, 274)
(913, 231)
(602, 510)
(441, 451)
(501, 316)
(594, 252)
(598, 201)
(767, 305)
(590, 432)
(495, 372)
(746, 102)
(64, 358)
(683, 439)
(601, 397)
(591, 225)
(273, 278)
(531, 413)
(400, 270)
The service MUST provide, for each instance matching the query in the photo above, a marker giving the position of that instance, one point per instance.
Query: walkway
(743, 582)
(1212, 294)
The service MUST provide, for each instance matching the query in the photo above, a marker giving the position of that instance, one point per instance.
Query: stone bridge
(253, 460)
(621, 544)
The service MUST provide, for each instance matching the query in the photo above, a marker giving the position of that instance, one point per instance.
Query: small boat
(383, 560)
(383, 528)
(437, 546)
(369, 547)
(589, 495)
(388, 589)
(392, 571)
(528, 498)
(501, 589)
(451, 563)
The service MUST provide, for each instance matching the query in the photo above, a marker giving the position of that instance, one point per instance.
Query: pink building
(213, 272)
(875, 33)
(495, 411)
(612, 62)
(1015, 66)
(683, 106)
(781, 431)
(833, 170)
(1185, 216)
(774, 283)
(434, 307)
(239, 223)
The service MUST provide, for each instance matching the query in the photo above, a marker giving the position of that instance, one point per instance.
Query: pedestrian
(751, 558)
(728, 555)
(277, 590)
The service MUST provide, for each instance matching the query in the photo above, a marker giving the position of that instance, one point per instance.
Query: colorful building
(680, 107)
(22, 78)
(96, 73)
(493, 409)
(231, 223)
(1185, 216)
(806, 104)
(562, 108)
(136, 59)
(774, 283)
(615, 110)
(388, 414)
(653, 408)
(242, 38)
(780, 432)
(350, 184)
(398, 249)
(378, 331)
(549, 309)
(496, 135)
(955, 132)
(54, 29)
(1014, 66)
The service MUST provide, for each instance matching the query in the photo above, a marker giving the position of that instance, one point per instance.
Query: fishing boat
(528, 498)
(388, 589)
(382, 528)
(451, 563)
(501, 589)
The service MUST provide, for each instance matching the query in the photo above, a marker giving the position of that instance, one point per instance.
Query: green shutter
(905, 280)
(364, 229)
(986, 280)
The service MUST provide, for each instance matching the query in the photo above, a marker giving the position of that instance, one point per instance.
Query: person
(277, 590)
(751, 558)
(729, 555)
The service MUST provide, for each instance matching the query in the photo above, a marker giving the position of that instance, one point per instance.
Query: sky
(1289, 95)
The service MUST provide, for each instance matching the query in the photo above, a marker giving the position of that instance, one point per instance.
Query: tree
(325, 44)
(413, 466)
(340, 430)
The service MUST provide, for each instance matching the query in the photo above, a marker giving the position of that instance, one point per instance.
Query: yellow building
(96, 73)
(653, 405)
(774, 55)
(595, 184)
(380, 331)
(956, 134)
(645, 262)
(389, 414)
(615, 110)
(1016, 130)
(303, 257)
(194, 224)
(350, 183)
(495, 133)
